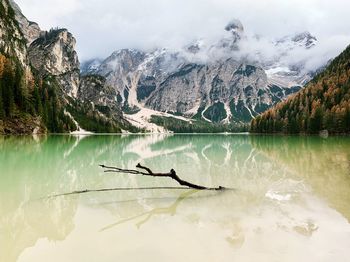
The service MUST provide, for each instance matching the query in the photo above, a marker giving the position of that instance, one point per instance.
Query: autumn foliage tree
(324, 104)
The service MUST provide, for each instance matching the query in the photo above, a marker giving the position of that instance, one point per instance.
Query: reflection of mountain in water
(59, 164)
(32, 169)
(324, 164)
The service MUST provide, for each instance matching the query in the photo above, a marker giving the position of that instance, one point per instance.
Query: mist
(104, 26)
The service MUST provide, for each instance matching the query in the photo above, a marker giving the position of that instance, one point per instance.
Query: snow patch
(250, 112)
(194, 110)
(142, 120)
(206, 119)
(272, 71)
(228, 113)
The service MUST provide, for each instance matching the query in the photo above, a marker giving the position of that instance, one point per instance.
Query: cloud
(102, 26)
(264, 49)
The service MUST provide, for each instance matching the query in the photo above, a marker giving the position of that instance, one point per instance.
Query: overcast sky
(102, 26)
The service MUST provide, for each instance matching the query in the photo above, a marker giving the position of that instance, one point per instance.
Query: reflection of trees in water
(323, 163)
(28, 170)
(32, 169)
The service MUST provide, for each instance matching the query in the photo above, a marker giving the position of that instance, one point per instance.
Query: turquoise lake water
(290, 199)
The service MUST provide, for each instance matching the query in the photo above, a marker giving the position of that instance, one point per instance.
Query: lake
(289, 199)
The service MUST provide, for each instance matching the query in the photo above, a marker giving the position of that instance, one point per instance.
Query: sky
(103, 26)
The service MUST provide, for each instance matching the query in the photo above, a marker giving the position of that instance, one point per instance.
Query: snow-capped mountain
(304, 39)
(221, 82)
(91, 65)
(281, 71)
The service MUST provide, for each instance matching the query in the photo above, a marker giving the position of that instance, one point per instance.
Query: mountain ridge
(180, 83)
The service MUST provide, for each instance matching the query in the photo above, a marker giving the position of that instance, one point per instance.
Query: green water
(291, 199)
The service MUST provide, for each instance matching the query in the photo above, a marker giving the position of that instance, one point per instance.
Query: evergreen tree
(8, 94)
(2, 112)
(316, 121)
(37, 102)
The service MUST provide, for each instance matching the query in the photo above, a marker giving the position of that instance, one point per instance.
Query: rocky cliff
(12, 40)
(54, 53)
(31, 30)
(40, 80)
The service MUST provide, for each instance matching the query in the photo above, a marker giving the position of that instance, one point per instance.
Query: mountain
(40, 81)
(323, 105)
(216, 83)
(203, 87)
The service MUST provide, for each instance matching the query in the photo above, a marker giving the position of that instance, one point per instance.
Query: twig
(172, 174)
(117, 189)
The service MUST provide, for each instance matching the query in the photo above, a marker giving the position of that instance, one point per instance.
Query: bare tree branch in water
(148, 172)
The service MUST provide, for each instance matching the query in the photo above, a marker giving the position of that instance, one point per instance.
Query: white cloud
(102, 26)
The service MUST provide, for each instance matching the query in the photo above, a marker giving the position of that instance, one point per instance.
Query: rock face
(30, 30)
(54, 53)
(28, 126)
(93, 89)
(94, 103)
(50, 53)
(12, 41)
(242, 89)
(222, 88)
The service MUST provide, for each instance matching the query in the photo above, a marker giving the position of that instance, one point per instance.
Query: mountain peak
(234, 26)
(305, 38)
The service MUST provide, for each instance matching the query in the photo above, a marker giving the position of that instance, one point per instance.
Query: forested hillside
(29, 100)
(323, 105)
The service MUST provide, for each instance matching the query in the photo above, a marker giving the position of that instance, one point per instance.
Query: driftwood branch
(148, 172)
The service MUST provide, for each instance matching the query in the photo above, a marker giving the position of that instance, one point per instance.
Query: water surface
(291, 199)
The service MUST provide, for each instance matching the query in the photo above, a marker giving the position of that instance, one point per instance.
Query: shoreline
(86, 134)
